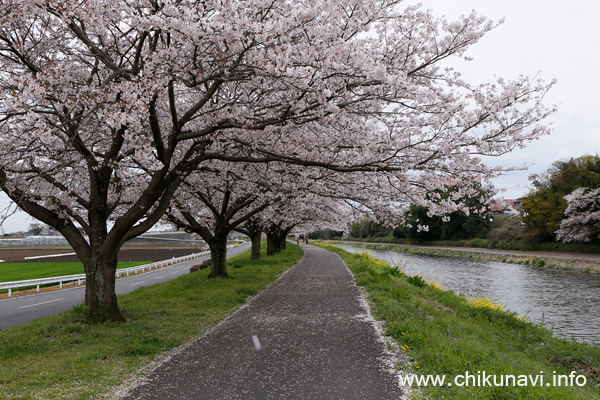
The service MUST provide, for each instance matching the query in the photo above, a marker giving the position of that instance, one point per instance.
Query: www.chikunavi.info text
(481, 378)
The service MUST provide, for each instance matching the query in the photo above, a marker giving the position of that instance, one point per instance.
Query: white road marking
(256, 342)
(39, 304)
(176, 272)
(158, 277)
(138, 283)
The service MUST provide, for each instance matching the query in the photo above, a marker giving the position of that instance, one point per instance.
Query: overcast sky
(553, 39)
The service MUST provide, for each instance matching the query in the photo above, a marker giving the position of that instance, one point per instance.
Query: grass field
(61, 358)
(23, 271)
(130, 251)
(441, 333)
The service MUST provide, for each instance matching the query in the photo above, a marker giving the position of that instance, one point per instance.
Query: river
(566, 302)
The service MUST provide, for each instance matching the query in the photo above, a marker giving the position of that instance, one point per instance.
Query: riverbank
(444, 335)
(62, 358)
(544, 259)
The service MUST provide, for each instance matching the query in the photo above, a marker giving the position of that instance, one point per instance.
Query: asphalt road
(19, 310)
(309, 335)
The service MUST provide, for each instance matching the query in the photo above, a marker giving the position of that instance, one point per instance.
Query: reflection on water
(567, 302)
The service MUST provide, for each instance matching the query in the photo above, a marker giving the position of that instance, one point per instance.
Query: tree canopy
(420, 223)
(582, 217)
(106, 106)
(544, 207)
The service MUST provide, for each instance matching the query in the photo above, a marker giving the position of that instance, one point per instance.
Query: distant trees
(425, 222)
(326, 235)
(544, 207)
(366, 228)
(305, 212)
(470, 222)
(36, 228)
(456, 226)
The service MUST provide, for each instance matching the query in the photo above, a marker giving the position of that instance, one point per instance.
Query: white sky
(556, 39)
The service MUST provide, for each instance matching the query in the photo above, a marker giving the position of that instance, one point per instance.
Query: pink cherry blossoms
(582, 217)
(107, 106)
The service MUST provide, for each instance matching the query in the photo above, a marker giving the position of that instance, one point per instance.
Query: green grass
(440, 333)
(10, 272)
(24, 271)
(61, 358)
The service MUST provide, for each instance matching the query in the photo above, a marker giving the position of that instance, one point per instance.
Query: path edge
(392, 357)
(141, 376)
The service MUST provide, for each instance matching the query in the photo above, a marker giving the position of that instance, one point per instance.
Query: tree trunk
(100, 295)
(218, 257)
(272, 244)
(282, 242)
(255, 254)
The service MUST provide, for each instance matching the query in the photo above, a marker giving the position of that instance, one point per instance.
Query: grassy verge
(23, 271)
(444, 334)
(60, 358)
(10, 272)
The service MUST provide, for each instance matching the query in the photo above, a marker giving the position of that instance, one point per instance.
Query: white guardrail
(120, 272)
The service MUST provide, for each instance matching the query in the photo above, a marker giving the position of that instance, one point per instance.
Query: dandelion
(523, 318)
(435, 285)
(484, 302)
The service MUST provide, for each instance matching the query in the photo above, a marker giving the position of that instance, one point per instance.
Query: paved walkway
(308, 336)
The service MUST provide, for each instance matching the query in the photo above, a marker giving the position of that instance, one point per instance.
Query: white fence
(79, 278)
(35, 241)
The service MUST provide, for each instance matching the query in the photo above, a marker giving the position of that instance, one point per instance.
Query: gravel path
(308, 336)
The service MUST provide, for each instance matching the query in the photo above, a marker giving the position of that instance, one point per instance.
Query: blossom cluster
(582, 216)
(107, 107)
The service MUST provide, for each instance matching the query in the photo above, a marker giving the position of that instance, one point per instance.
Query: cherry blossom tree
(582, 217)
(253, 229)
(219, 198)
(304, 212)
(107, 106)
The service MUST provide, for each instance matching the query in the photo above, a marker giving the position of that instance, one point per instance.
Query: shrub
(395, 271)
(497, 234)
(478, 243)
(541, 262)
(203, 265)
(417, 281)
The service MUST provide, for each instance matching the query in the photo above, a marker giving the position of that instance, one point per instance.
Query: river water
(566, 302)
